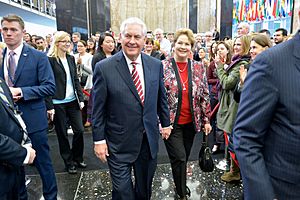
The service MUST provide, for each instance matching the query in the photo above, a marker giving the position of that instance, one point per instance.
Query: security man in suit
(30, 79)
(267, 130)
(15, 145)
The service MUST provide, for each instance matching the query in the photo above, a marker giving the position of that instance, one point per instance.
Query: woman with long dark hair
(106, 48)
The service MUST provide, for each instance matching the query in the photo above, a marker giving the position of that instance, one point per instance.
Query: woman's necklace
(183, 68)
(183, 82)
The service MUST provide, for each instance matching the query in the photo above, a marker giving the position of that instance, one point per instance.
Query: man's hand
(16, 93)
(166, 132)
(50, 114)
(81, 105)
(32, 155)
(101, 151)
(207, 129)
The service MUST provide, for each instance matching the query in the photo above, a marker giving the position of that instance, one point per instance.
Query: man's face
(278, 37)
(170, 37)
(97, 36)
(242, 30)
(12, 33)
(40, 44)
(159, 36)
(75, 38)
(208, 37)
(133, 41)
(198, 38)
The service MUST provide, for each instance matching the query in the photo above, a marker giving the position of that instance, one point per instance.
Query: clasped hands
(16, 93)
(166, 132)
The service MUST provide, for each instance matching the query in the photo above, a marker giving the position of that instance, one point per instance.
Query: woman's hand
(219, 59)
(243, 74)
(207, 129)
(79, 61)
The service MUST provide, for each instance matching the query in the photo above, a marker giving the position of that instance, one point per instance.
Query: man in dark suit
(30, 79)
(125, 124)
(267, 129)
(15, 146)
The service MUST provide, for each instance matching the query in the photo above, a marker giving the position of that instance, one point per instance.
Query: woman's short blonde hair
(187, 32)
(58, 36)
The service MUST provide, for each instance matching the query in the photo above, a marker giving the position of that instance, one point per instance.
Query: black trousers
(71, 112)
(179, 146)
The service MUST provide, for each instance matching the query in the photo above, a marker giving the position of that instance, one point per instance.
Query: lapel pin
(25, 54)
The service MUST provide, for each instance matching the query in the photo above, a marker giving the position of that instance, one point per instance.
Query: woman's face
(256, 49)
(148, 46)
(222, 51)
(108, 44)
(81, 48)
(182, 48)
(237, 47)
(64, 44)
(202, 53)
(214, 48)
(91, 45)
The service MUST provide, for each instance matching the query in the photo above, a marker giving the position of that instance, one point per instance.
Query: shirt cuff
(100, 142)
(26, 146)
(171, 127)
(21, 93)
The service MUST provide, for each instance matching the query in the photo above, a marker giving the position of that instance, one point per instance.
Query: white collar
(17, 50)
(138, 60)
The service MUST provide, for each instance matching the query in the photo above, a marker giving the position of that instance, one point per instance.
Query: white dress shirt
(140, 70)
(17, 55)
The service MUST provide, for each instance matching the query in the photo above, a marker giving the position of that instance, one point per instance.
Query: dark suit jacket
(35, 77)
(118, 115)
(61, 80)
(267, 129)
(12, 154)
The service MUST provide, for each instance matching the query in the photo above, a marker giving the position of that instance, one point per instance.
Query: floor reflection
(97, 185)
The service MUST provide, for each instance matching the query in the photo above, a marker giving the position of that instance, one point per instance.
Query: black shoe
(188, 191)
(71, 169)
(188, 194)
(81, 164)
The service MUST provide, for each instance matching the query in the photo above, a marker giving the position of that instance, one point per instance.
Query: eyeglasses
(65, 42)
(39, 42)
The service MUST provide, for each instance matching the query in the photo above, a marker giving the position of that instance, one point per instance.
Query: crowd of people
(141, 85)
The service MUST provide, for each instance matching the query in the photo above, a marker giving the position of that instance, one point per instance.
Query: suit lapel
(124, 72)
(147, 77)
(22, 59)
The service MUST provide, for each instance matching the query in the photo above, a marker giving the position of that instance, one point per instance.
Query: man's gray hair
(133, 20)
(244, 25)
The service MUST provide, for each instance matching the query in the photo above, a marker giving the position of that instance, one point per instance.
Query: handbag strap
(205, 138)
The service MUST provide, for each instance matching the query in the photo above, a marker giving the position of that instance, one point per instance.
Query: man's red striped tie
(137, 82)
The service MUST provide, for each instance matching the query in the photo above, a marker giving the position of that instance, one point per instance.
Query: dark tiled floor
(95, 184)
